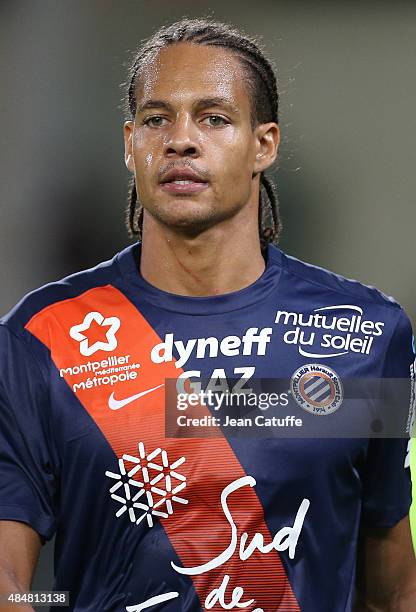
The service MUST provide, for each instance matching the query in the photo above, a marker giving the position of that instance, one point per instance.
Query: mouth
(183, 182)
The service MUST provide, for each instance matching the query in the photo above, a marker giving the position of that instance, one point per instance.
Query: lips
(183, 181)
(181, 175)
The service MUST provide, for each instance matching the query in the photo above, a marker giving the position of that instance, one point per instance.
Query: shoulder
(315, 278)
(346, 304)
(69, 288)
(343, 316)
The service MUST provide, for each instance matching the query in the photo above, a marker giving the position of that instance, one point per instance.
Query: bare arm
(19, 551)
(386, 570)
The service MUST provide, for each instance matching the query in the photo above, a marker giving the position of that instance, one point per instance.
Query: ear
(267, 139)
(128, 145)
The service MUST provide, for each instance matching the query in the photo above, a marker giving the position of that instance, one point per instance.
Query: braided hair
(261, 81)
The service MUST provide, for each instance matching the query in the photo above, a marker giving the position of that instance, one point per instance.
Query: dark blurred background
(346, 174)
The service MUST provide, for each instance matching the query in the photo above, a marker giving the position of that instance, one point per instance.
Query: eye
(216, 120)
(155, 121)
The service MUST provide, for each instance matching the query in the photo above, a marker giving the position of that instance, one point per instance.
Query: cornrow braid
(261, 80)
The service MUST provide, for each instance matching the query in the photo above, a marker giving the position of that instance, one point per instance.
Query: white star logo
(113, 323)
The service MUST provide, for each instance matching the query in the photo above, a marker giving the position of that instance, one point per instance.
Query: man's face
(191, 146)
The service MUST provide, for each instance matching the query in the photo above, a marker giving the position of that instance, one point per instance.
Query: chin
(186, 215)
(190, 226)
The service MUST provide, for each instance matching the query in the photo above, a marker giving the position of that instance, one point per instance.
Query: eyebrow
(201, 104)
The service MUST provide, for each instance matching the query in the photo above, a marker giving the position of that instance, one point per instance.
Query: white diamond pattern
(142, 499)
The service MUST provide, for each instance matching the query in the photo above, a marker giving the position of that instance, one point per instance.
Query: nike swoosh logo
(115, 404)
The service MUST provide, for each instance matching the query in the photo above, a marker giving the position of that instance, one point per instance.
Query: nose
(182, 138)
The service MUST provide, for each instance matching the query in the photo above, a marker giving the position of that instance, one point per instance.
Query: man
(144, 520)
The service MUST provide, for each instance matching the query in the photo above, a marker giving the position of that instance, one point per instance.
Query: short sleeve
(386, 494)
(27, 473)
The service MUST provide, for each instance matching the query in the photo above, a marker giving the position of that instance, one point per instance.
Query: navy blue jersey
(144, 520)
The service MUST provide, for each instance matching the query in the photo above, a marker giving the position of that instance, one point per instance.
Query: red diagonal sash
(198, 531)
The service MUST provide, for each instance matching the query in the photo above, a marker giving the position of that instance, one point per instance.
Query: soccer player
(147, 521)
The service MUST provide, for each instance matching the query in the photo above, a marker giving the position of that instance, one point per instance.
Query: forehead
(184, 72)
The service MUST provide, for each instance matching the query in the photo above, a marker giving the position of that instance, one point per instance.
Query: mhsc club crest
(317, 389)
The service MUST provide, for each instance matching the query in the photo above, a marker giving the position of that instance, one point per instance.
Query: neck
(222, 259)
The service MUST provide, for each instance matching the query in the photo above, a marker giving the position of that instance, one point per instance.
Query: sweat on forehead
(185, 67)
